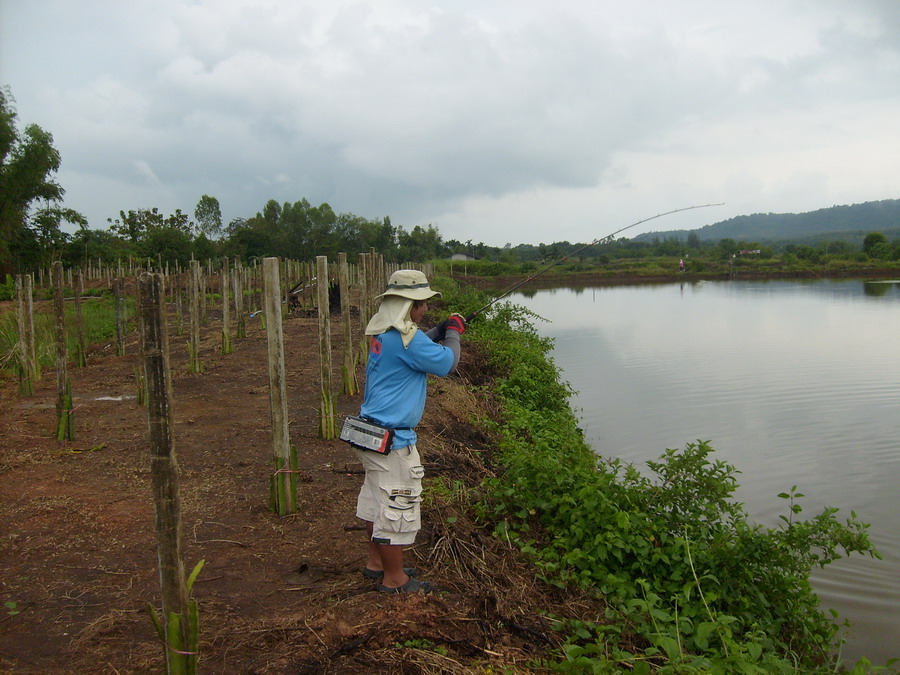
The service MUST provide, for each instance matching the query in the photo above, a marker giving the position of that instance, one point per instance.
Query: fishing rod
(602, 240)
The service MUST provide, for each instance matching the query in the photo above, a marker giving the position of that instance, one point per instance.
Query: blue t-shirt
(396, 380)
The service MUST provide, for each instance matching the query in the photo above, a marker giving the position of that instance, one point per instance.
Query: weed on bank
(692, 585)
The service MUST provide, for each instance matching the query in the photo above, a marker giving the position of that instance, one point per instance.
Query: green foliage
(422, 644)
(208, 215)
(181, 634)
(689, 579)
(8, 288)
(28, 163)
(98, 316)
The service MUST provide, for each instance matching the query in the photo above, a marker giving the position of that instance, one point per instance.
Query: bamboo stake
(283, 494)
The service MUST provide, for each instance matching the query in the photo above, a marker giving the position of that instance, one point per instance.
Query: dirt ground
(277, 595)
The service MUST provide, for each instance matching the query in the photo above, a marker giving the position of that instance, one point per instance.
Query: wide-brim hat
(410, 284)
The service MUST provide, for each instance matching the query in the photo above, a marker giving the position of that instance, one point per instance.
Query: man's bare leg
(389, 559)
(374, 562)
(392, 558)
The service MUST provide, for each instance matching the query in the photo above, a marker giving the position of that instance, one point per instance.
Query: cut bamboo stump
(283, 484)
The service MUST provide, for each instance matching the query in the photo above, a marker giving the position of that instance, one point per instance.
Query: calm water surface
(794, 383)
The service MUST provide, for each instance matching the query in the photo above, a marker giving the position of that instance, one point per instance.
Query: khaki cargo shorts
(391, 495)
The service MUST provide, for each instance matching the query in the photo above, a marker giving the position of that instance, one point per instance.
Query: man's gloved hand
(455, 322)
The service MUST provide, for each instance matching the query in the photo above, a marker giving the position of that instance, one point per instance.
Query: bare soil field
(78, 561)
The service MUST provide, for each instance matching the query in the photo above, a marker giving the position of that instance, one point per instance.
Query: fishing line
(602, 240)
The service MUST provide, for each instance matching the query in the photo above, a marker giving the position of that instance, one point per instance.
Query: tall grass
(98, 318)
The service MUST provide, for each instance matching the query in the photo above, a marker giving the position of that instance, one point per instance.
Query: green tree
(726, 248)
(208, 216)
(135, 225)
(874, 244)
(423, 243)
(46, 225)
(28, 162)
(167, 243)
(87, 244)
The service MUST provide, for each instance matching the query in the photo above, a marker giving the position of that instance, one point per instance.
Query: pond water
(793, 383)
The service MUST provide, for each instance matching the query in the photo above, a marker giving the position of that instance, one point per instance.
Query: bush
(8, 289)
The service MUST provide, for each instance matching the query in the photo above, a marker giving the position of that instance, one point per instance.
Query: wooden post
(373, 284)
(194, 346)
(363, 291)
(26, 335)
(80, 355)
(179, 624)
(283, 485)
(118, 287)
(326, 415)
(226, 310)
(65, 422)
(238, 283)
(29, 315)
(202, 288)
(349, 382)
(179, 312)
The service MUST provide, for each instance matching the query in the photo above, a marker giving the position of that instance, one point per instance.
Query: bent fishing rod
(602, 240)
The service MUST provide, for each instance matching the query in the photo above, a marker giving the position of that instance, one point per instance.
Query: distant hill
(848, 223)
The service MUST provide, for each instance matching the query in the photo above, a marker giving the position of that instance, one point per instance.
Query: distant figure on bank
(681, 265)
(400, 359)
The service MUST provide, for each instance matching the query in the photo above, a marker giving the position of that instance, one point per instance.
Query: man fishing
(400, 359)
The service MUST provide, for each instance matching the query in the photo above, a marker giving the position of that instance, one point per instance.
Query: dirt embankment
(277, 595)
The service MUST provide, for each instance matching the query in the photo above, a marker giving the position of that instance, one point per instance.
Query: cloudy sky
(496, 121)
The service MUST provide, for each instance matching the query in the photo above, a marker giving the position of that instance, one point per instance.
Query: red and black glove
(453, 322)
(456, 322)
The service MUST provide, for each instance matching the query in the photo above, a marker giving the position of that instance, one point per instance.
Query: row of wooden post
(370, 274)
(179, 627)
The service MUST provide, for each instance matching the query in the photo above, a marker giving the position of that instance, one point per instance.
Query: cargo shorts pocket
(401, 509)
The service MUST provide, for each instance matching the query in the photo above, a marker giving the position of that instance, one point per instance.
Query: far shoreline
(600, 278)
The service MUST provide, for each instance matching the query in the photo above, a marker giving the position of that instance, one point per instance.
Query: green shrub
(8, 289)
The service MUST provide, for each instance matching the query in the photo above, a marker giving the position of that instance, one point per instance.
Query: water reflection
(877, 289)
(794, 382)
